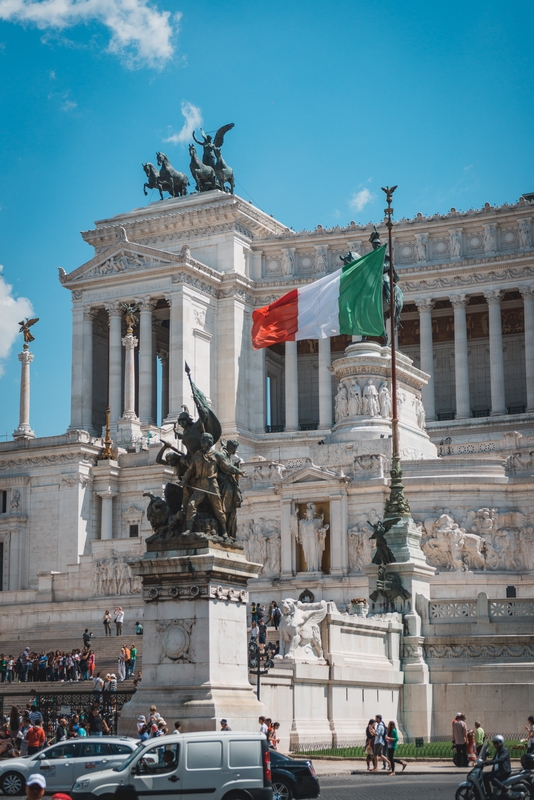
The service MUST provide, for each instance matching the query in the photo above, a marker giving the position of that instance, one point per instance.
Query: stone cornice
(188, 214)
(507, 270)
(486, 214)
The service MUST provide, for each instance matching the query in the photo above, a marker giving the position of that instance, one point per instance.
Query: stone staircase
(105, 648)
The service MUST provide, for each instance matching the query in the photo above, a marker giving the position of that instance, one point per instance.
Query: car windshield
(129, 760)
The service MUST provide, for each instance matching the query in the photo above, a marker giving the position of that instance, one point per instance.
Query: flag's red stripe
(277, 322)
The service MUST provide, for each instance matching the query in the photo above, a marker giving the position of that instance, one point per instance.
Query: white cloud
(361, 199)
(193, 120)
(140, 34)
(12, 310)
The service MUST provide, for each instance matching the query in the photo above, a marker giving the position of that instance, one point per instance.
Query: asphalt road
(382, 787)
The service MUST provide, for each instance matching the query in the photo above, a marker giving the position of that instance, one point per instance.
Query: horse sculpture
(224, 173)
(154, 180)
(204, 176)
(176, 181)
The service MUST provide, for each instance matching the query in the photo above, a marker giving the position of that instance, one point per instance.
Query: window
(245, 754)
(3, 502)
(61, 751)
(120, 749)
(134, 531)
(204, 755)
(159, 759)
(93, 749)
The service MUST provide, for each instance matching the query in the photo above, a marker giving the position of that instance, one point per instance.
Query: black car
(293, 777)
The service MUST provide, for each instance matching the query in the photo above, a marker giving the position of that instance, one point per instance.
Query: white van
(210, 766)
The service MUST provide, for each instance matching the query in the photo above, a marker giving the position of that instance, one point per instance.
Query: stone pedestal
(404, 541)
(364, 419)
(195, 660)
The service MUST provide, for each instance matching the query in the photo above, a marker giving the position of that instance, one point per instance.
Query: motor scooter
(473, 786)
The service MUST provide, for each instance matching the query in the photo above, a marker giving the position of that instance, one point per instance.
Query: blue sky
(330, 101)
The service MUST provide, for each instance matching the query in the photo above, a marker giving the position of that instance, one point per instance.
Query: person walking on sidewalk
(369, 743)
(380, 743)
(392, 741)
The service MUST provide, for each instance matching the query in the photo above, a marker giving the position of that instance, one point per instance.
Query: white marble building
(312, 426)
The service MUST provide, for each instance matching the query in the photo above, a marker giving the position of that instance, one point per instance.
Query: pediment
(311, 474)
(124, 257)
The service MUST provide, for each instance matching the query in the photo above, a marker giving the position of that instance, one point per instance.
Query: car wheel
(13, 783)
(281, 791)
(465, 793)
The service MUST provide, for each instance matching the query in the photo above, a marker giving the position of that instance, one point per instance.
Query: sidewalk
(324, 766)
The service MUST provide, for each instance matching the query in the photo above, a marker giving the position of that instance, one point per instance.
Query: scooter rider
(501, 766)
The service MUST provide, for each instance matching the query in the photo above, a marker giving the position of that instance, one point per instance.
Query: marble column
(115, 363)
(498, 405)
(179, 351)
(325, 384)
(154, 412)
(146, 358)
(106, 526)
(292, 387)
(461, 361)
(527, 293)
(164, 358)
(286, 543)
(76, 391)
(24, 430)
(87, 369)
(427, 354)
(130, 343)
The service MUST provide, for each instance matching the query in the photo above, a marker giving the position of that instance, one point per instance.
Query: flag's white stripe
(318, 308)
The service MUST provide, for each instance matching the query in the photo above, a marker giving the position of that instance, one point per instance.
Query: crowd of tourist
(55, 666)
(258, 613)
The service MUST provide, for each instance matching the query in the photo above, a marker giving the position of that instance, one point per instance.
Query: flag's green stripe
(360, 296)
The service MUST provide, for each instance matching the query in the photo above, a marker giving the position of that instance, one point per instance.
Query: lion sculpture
(300, 638)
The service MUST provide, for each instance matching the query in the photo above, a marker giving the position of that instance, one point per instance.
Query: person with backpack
(276, 616)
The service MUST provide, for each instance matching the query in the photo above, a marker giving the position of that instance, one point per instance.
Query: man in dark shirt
(86, 638)
(96, 723)
(501, 765)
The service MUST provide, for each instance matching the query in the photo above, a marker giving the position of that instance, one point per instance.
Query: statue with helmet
(202, 503)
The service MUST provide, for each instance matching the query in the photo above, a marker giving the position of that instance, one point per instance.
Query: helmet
(498, 740)
(527, 760)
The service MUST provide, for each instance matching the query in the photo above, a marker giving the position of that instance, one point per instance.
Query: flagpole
(396, 503)
(395, 419)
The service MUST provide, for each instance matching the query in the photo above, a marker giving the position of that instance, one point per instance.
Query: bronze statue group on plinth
(202, 505)
(211, 173)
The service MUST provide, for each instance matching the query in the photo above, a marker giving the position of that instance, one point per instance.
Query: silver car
(64, 763)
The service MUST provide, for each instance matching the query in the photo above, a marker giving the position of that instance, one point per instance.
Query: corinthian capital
(426, 304)
(493, 297)
(527, 291)
(459, 300)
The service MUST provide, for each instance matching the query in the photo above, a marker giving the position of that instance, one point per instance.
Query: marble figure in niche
(525, 232)
(355, 399)
(341, 403)
(384, 399)
(311, 535)
(371, 404)
(456, 244)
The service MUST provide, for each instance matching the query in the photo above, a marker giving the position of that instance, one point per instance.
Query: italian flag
(347, 301)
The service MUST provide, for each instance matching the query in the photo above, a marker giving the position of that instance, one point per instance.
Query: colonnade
(459, 303)
(121, 383)
(425, 306)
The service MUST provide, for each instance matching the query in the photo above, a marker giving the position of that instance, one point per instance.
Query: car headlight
(82, 784)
